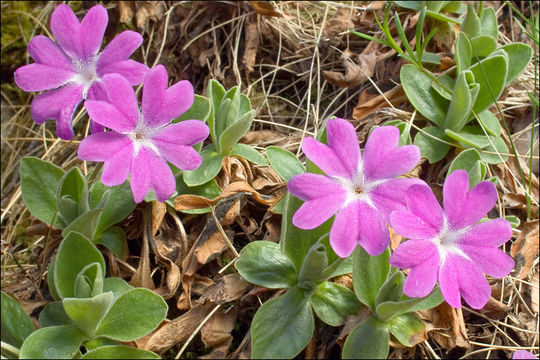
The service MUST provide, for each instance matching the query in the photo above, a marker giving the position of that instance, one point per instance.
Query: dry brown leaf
(126, 10)
(141, 343)
(148, 10)
(264, 8)
(534, 292)
(342, 21)
(158, 213)
(447, 62)
(351, 323)
(451, 331)
(212, 247)
(143, 277)
(251, 43)
(525, 249)
(395, 95)
(179, 329)
(228, 288)
(217, 330)
(344, 280)
(395, 239)
(189, 202)
(195, 284)
(358, 69)
(495, 309)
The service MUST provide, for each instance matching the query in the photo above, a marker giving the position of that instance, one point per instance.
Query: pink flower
(141, 141)
(523, 354)
(360, 189)
(450, 246)
(72, 69)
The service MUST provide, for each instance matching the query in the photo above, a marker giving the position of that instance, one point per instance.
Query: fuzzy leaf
(88, 313)
(53, 314)
(284, 162)
(16, 324)
(200, 110)
(470, 161)
(408, 329)
(490, 74)
(333, 303)
(55, 342)
(119, 352)
(262, 263)
(249, 153)
(369, 340)
(113, 239)
(519, 56)
(210, 167)
(369, 274)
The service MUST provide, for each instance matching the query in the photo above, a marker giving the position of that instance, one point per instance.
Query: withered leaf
(451, 331)
(396, 96)
(228, 288)
(358, 69)
(264, 8)
(525, 249)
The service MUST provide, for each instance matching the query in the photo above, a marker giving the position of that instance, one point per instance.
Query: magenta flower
(360, 189)
(450, 246)
(72, 69)
(523, 354)
(141, 141)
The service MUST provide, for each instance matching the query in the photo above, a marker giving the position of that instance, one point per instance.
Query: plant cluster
(335, 215)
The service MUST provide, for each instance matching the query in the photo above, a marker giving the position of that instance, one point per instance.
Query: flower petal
(97, 91)
(48, 105)
(448, 281)
(422, 203)
(491, 233)
(66, 29)
(314, 212)
(108, 115)
(412, 253)
(308, 186)
(422, 278)
(133, 71)
(187, 132)
(117, 166)
(383, 158)
(342, 139)
(472, 284)
(45, 51)
(523, 354)
(101, 146)
(178, 99)
(455, 191)
(153, 96)
(374, 235)
(120, 48)
(324, 157)
(120, 94)
(93, 27)
(39, 77)
(344, 231)
(411, 226)
(389, 195)
(150, 170)
(490, 260)
(478, 202)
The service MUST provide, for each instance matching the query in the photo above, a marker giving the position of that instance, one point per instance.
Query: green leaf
(333, 303)
(519, 56)
(490, 122)
(50, 280)
(262, 263)
(53, 314)
(483, 45)
(369, 274)
(470, 135)
(389, 309)
(117, 285)
(471, 23)
(444, 86)
(488, 23)
(89, 281)
(39, 187)
(210, 167)
(284, 162)
(88, 313)
(498, 147)
(133, 315)
(16, 324)
(235, 131)
(117, 208)
(315, 262)
(463, 52)
(200, 110)
(413, 5)
(215, 92)
(113, 239)
(408, 329)
(249, 153)
(490, 74)
(55, 342)
(287, 321)
(209, 190)
(296, 243)
(72, 198)
(423, 97)
(75, 252)
(513, 220)
(119, 352)
(468, 160)
(86, 224)
(98, 342)
(369, 340)
(462, 102)
(430, 147)
(391, 290)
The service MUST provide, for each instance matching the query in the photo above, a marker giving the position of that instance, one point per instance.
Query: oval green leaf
(55, 342)
(284, 162)
(119, 352)
(490, 74)
(369, 340)
(210, 167)
(16, 324)
(430, 147)
(249, 153)
(333, 303)
(369, 275)
(519, 56)
(408, 329)
(88, 313)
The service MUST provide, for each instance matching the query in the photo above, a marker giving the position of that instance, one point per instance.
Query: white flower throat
(86, 73)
